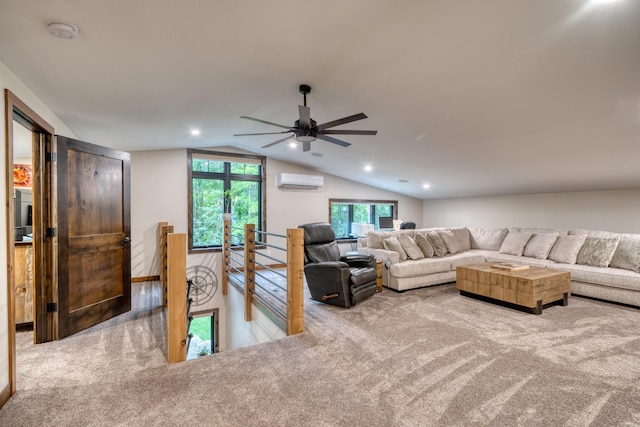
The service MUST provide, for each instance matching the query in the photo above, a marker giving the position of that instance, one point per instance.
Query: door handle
(127, 240)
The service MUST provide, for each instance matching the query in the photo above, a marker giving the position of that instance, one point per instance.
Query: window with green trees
(344, 212)
(223, 183)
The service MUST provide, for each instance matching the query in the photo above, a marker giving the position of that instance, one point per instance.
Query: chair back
(320, 243)
(408, 225)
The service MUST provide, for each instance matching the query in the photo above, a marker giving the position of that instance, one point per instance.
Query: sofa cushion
(420, 267)
(627, 255)
(456, 239)
(533, 262)
(566, 249)
(515, 242)
(439, 247)
(410, 247)
(610, 277)
(487, 238)
(597, 251)
(540, 245)
(425, 245)
(393, 244)
(539, 230)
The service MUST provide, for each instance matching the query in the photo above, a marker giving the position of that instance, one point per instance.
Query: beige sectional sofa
(603, 265)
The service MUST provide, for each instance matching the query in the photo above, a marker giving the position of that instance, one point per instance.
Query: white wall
(8, 80)
(159, 193)
(614, 210)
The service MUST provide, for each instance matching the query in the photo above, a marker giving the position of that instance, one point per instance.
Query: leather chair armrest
(359, 260)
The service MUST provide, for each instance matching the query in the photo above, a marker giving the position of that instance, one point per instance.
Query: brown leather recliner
(333, 279)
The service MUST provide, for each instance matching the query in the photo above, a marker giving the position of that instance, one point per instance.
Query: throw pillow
(566, 249)
(597, 251)
(627, 256)
(455, 239)
(540, 245)
(375, 238)
(410, 247)
(425, 245)
(487, 238)
(515, 242)
(393, 244)
(439, 248)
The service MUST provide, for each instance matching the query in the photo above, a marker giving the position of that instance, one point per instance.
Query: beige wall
(615, 210)
(159, 193)
(8, 80)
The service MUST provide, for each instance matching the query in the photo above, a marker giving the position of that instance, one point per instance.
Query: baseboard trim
(145, 279)
(5, 394)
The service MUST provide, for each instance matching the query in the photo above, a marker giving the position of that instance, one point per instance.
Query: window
(344, 212)
(223, 183)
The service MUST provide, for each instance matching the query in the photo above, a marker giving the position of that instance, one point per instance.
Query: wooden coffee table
(529, 289)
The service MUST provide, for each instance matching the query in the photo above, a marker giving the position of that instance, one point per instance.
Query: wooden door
(93, 233)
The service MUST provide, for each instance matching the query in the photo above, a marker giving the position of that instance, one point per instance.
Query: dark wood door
(93, 232)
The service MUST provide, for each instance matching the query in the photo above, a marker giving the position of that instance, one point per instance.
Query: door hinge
(52, 307)
(51, 157)
(51, 232)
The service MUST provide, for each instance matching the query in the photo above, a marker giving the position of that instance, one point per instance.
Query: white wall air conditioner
(299, 182)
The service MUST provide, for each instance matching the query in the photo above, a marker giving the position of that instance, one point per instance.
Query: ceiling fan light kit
(306, 130)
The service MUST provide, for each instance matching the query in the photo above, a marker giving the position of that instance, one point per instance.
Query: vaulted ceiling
(473, 98)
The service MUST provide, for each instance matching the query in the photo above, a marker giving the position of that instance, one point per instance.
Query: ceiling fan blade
(265, 122)
(349, 132)
(276, 142)
(262, 133)
(332, 140)
(306, 146)
(305, 116)
(341, 121)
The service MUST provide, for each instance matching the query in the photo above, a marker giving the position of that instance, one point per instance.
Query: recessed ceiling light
(368, 168)
(426, 186)
(293, 144)
(195, 132)
(62, 30)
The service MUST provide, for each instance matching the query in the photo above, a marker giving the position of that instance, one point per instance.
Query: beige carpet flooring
(427, 357)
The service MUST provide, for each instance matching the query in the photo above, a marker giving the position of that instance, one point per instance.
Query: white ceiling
(475, 98)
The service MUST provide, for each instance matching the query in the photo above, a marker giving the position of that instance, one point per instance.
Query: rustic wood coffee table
(530, 289)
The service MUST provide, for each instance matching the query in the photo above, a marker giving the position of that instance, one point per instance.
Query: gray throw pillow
(439, 248)
(393, 244)
(515, 242)
(410, 247)
(487, 238)
(455, 239)
(627, 255)
(425, 245)
(597, 251)
(566, 249)
(540, 245)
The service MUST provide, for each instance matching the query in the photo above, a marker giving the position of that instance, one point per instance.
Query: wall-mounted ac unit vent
(299, 182)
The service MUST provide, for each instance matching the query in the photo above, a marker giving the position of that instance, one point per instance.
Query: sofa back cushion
(538, 230)
(566, 249)
(540, 245)
(627, 255)
(515, 242)
(410, 247)
(393, 244)
(425, 245)
(597, 251)
(489, 239)
(439, 248)
(375, 238)
(455, 239)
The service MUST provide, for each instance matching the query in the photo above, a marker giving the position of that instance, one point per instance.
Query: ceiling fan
(306, 130)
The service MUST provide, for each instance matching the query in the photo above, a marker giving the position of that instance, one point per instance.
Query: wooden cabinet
(24, 282)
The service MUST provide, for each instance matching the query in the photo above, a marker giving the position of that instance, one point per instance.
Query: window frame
(371, 202)
(227, 158)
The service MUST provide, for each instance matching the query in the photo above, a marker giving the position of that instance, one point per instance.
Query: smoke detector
(62, 30)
